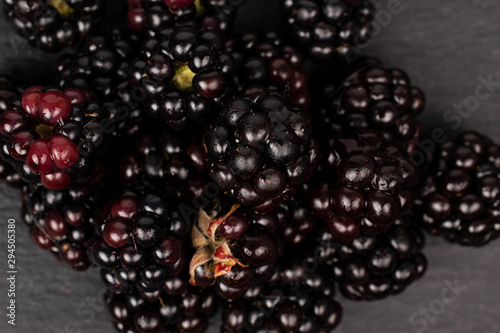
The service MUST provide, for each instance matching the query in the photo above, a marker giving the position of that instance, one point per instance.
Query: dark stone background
(445, 46)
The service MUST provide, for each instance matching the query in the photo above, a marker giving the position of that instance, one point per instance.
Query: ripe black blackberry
(300, 299)
(235, 249)
(267, 61)
(260, 149)
(184, 71)
(374, 267)
(54, 138)
(53, 25)
(100, 66)
(177, 307)
(327, 29)
(365, 186)
(373, 97)
(63, 221)
(153, 15)
(9, 94)
(460, 198)
(161, 159)
(140, 241)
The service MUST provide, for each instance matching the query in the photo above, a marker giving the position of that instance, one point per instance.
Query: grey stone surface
(445, 46)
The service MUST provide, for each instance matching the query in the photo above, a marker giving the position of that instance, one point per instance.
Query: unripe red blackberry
(55, 138)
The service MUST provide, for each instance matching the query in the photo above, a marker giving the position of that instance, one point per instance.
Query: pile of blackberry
(460, 197)
(374, 267)
(261, 150)
(184, 72)
(373, 97)
(364, 187)
(266, 61)
(327, 29)
(53, 25)
(149, 16)
(193, 167)
(54, 138)
(300, 298)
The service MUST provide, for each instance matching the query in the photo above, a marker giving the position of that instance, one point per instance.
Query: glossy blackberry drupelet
(460, 198)
(52, 25)
(265, 61)
(374, 267)
(373, 97)
(299, 299)
(327, 29)
(63, 221)
(365, 186)
(177, 307)
(184, 71)
(260, 149)
(141, 241)
(235, 249)
(100, 66)
(54, 137)
(150, 16)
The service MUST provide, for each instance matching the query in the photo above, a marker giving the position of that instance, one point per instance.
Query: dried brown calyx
(212, 253)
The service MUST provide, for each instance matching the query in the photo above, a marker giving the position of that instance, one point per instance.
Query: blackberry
(9, 94)
(235, 249)
(259, 150)
(100, 66)
(460, 198)
(63, 221)
(141, 241)
(298, 300)
(53, 25)
(184, 72)
(54, 137)
(177, 307)
(267, 61)
(331, 28)
(373, 97)
(153, 15)
(161, 160)
(374, 267)
(365, 186)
